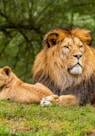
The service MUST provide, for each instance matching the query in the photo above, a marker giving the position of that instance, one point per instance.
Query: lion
(66, 66)
(14, 89)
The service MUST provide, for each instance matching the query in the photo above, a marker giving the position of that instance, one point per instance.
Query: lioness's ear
(7, 70)
(83, 34)
(50, 39)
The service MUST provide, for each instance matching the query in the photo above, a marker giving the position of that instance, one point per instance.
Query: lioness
(12, 88)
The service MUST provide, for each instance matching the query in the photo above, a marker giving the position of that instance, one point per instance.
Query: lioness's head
(66, 48)
(4, 75)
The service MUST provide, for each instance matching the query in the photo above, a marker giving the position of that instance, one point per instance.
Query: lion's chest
(85, 91)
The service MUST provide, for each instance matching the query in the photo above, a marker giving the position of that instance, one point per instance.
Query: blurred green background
(24, 22)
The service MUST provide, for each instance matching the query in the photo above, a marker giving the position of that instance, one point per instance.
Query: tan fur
(89, 132)
(68, 100)
(14, 89)
(63, 100)
(57, 67)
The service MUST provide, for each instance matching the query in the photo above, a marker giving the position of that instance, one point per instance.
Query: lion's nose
(78, 56)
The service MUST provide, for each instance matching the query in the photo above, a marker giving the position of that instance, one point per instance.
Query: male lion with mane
(66, 65)
(12, 88)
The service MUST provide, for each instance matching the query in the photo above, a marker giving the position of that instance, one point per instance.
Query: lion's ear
(50, 39)
(7, 70)
(83, 34)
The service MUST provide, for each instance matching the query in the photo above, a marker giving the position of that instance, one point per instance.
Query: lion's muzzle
(76, 69)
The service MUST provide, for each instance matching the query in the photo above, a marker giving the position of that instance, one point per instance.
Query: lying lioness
(12, 88)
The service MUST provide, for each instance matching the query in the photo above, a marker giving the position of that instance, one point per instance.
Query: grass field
(33, 120)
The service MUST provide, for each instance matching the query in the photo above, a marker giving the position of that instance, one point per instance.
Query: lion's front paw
(47, 101)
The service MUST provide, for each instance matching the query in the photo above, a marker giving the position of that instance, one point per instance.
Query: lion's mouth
(76, 69)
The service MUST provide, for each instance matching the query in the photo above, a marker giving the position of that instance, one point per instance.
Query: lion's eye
(66, 46)
(80, 46)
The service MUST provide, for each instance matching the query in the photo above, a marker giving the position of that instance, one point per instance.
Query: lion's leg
(68, 100)
(4, 95)
(49, 100)
(64, 100)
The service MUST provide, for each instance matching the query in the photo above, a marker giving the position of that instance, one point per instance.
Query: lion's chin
(76, 70)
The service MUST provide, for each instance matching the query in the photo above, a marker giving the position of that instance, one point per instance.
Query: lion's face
(72, 52)
(68, 49)
(4, 75)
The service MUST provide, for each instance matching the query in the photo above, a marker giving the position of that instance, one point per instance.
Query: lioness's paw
(47, 101)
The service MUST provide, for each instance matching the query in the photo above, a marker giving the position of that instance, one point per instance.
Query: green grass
(33, 120)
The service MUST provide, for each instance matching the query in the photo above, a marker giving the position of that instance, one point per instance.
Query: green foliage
(23, 24)
(27, 120)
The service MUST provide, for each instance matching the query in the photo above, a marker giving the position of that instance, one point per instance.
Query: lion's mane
(52, 64)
